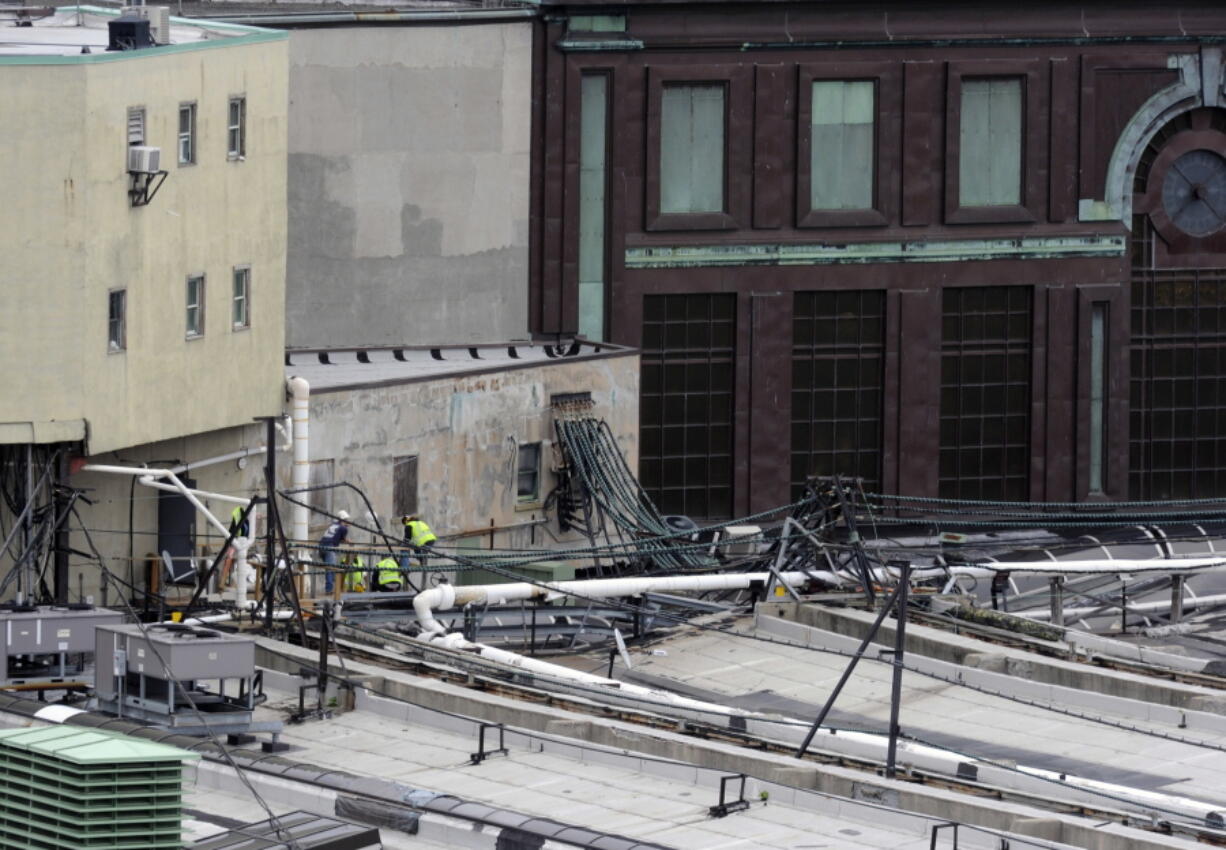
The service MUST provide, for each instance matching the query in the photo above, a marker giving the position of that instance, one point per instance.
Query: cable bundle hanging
(596, 478)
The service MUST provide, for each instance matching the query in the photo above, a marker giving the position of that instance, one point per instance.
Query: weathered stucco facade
(464, 428)
(408, 175)
(70, 236)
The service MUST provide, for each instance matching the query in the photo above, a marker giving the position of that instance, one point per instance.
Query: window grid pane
(527, 488)
(187, 134)
(837, 384)
(990, 151)
(241, 313)
(116, 325)
(1177, 430)
(841, 145)
(195, 306)
(236, 130)
(692, 149)
(685, 414)
(985, 393)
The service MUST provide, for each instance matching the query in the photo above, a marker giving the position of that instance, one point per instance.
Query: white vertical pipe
(300, 392)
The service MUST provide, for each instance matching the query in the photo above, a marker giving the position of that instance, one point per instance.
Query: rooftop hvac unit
(143, 159)
(49, 644)
(158, 18)
(128, 32)
(65, 786)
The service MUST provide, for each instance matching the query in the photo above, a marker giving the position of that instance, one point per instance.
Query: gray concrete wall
(464, 430)
(408, 184)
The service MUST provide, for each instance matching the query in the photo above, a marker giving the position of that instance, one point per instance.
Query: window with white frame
(187, 134)
(195, 306)
(117, 320)
(841, 148)
(240, 314)
(236, 128)
(990, 142)
(692, 148)
(528, 473)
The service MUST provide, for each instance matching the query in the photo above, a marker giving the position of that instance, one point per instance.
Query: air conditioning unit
(143, 159)
(158, 18)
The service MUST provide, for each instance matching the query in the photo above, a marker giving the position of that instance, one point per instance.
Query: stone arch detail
(1201, 83)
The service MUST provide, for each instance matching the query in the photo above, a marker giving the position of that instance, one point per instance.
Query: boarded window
(404, 485)
(528, 473)
(692, 149)
(594, 132)
(990, 158)
(322, 472)
(842, 145)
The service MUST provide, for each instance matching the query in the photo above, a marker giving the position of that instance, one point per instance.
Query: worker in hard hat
(388, 577)
(355, 578)
(333, 537)
(418, 536)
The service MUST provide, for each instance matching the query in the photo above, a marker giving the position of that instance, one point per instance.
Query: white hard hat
(342, 514)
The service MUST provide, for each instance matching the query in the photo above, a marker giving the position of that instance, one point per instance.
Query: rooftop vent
(128, 32)
(71, 787)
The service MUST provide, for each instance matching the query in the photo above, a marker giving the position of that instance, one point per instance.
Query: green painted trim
(595, 46)
(814, 254)
(249, 35)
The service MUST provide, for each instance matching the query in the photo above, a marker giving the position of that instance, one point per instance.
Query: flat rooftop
(342, 369)
(31, 31)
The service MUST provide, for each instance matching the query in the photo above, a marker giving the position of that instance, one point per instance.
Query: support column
(1057, 601)
(1176, 598)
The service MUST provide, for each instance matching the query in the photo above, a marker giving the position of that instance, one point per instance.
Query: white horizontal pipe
(147, 477)
(1107, 608)
(1105, 565)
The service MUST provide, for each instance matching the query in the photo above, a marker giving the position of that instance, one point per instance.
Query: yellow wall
(69, 235)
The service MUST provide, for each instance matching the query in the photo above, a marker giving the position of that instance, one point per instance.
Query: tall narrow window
(187, 133)
(692, 148)
(195, 306)
(841, 145)
(1098, 394)
(404, 485)
(593, 131)
(985, 393)
(838, 357)
(1177, 425)
(528, 473)
(685, 407)
(136, 125)
(236, 128)
(117, 320)
(240, 314)
(990, 148)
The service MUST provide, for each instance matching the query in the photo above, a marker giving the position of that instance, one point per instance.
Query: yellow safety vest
(420, 533)
(357, 577)
(389, 572)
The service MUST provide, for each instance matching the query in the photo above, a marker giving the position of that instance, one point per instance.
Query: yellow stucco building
(126, 322)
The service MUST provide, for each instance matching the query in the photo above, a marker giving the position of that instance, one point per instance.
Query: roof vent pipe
(300, 394)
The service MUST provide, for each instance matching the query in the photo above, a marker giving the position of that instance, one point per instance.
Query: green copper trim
(578, 45)
(813, 254)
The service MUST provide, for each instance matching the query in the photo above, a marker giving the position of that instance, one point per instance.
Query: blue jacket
(335, 535)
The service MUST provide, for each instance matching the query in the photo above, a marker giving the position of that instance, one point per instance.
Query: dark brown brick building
(960, 249)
